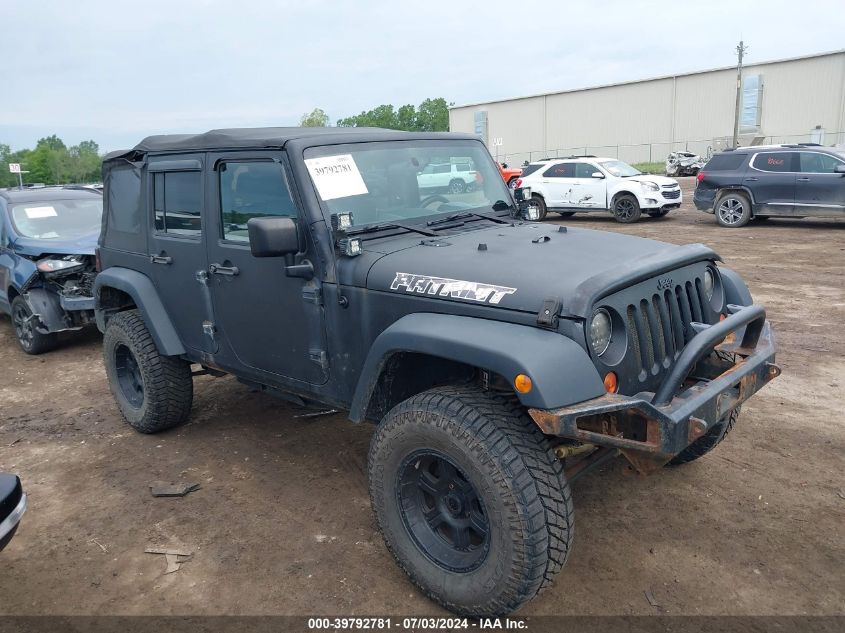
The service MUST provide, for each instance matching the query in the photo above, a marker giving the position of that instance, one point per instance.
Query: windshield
(619, 169)
(58, 219)
(398, 181)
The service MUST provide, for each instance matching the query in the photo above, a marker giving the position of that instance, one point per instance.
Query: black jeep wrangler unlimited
(500, 358)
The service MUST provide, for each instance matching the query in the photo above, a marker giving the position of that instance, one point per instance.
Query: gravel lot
(282, 523)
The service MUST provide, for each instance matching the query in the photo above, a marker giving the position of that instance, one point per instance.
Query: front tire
(29, 338)
(152, 391)
(470, 499)
(733, 210)
(626, 209)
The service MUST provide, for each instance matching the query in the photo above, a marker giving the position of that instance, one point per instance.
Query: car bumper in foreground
(701, 388)
(15, 500)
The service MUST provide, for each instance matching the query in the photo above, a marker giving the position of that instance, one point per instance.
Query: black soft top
(268, 137)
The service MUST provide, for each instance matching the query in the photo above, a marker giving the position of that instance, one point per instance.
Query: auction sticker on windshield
(40, 212)
(336, 176)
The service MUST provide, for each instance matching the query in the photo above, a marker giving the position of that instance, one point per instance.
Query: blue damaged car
(48, 237)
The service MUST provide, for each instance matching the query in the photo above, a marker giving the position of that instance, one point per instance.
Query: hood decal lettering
(455, 288)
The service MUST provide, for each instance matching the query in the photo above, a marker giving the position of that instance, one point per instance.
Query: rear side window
(730, 161)
(530, 169)
(251, 190)
(462, 166)
(177, 202)
(816, 163)
(774, 161)
(123, 197)
(561, 170)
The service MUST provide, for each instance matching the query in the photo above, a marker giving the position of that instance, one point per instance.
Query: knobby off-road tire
(484, 453)
(708, 441)
(29, 338)
(152, 391)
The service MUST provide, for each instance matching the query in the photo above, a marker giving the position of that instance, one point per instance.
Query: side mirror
(839, 169)
(273, 237)
(597, 174)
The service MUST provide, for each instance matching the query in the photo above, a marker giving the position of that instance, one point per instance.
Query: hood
(659, 180)
(84, 245)
(519, 266)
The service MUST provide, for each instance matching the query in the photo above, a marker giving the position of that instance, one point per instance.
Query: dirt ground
(282, 523)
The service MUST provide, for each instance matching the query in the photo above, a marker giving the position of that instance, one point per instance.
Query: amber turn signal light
(522, 383)
(611, 384)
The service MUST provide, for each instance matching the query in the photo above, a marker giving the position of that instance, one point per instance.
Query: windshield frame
(334, 149)
(602, 163)
(13, 208)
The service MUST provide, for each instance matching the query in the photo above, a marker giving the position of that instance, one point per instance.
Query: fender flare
(560, 369)
(143, 293)
(736, 290)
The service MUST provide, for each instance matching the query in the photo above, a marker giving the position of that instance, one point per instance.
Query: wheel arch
(117, 289)
(440, 348)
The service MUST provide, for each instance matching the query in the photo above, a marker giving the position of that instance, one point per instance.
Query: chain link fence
(657, 152)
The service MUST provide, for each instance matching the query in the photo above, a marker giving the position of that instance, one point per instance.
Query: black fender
(736, 291)
(145, 296)
(560, 369)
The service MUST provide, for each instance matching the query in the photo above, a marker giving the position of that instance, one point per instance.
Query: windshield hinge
(548, 315)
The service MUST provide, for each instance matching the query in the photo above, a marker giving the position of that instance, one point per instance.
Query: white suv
(590, 183)
(457, 177)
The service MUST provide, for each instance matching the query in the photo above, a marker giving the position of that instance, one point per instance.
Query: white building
(784, 101)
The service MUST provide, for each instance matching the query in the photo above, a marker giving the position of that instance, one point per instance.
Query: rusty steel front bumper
(719, 369)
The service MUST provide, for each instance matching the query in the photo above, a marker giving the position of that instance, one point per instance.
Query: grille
(672, 195)
(659, 326)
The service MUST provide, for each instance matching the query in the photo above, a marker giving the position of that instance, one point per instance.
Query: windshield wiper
(469, 214)
(372, 228)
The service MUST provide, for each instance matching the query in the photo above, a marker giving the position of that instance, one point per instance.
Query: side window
(815, 163)
(561, 170)
(177, 202)
(462, 166)
(774, 161)
(251, 190)
(442, 169)
(585, 170)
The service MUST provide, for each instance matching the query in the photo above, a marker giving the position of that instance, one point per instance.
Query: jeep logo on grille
(664, 283)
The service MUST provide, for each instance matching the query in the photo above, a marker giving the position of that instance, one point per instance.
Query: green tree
(315, 118)
(432, 115)
(53, 163)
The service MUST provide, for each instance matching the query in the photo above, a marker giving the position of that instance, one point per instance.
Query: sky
(116, 72)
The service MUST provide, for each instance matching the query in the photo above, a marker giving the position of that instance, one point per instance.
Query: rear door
(818, 188)
(560, 185)
(177, 245)
(266, 321)
(771, 179)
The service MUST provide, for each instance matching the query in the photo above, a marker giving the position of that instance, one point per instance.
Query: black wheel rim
(625, 209)
(23, 326)
(129, 376)
(442, 511)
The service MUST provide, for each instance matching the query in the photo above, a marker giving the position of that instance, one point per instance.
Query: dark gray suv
(310, 264)
(772, 181)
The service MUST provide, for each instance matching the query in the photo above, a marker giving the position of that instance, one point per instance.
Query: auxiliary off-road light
(349, 246)
(522, 383)
(342, 221)
(611, 382)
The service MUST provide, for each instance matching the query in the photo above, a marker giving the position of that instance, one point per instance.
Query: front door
(265, 320)
(819, 189)
(592, 192)
(177, 248)
(771, 178)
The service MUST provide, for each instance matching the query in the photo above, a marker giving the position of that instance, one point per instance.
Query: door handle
(229, 271)
(751, 179)
(161, 259)
(804, 179)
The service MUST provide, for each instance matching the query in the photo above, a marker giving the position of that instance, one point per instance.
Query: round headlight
(709, 283)
(600, 331)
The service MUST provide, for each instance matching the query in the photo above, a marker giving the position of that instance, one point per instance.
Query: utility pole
(740, 51)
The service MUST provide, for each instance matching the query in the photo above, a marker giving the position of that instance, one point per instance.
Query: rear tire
(541, 204)
(733, 210)
(708, 441)
(457, 186)
(626, 209)
(470, 499)
(29, 338)
(152, 391)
